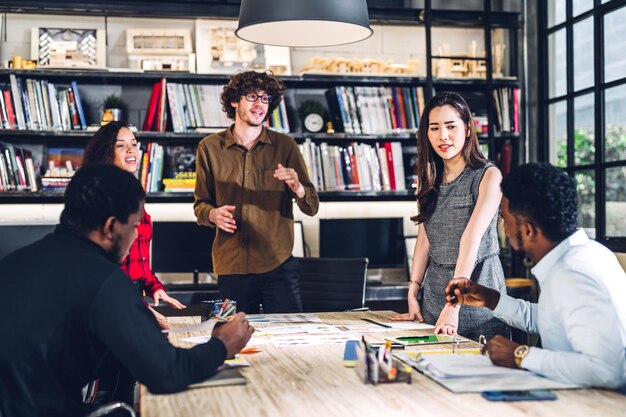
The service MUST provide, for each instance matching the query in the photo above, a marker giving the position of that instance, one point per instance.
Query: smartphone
(532, 395)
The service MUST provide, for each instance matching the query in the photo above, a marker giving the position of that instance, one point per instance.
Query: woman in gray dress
(458, 198)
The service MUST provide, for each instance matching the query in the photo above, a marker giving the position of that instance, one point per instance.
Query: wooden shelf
(14, 197)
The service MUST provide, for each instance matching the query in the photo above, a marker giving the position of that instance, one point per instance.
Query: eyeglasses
(252, 97)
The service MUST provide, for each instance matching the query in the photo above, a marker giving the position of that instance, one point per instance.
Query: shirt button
(248, 171)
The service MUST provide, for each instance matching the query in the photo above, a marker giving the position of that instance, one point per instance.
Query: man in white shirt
(580, 314)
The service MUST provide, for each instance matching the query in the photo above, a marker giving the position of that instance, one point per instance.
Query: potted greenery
(113, 109)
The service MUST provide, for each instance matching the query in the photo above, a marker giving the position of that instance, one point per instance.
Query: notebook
(225, 376)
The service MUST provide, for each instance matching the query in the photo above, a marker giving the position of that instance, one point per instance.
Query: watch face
(313, 122)
(521, 351)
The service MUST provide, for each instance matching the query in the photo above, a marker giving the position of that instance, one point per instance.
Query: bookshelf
(136, 89)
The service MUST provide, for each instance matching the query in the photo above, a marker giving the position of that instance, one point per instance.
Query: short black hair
(250, 82)
(100, 148)
(97, 192)
(545, 195)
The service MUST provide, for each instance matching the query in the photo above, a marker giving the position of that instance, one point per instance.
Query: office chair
(112, 408)
(332, 284)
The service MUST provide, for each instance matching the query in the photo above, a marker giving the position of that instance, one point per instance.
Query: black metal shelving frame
(427, 18)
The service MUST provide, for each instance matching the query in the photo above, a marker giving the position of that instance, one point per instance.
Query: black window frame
(599, 166)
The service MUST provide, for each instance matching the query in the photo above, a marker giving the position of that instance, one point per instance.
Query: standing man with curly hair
(246, 179)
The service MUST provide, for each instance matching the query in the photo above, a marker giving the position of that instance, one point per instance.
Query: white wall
(50, 213)
(397, 43)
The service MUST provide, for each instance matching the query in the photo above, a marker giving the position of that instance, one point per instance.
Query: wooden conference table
(312, 381)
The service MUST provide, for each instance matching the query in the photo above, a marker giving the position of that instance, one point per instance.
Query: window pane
(615, 124)
(557, 64)
(616, 202)
(614, 45)
(583, 54)
(584, 138)
(557, 114)
(556, 12)
(581, 6)
(586, 188)
(458, 5)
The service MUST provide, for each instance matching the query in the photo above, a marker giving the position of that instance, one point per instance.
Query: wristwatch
(520, 353)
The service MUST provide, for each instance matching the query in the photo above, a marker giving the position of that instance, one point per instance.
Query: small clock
(313, 122)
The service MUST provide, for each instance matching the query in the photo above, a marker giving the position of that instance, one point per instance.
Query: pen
(375, 322)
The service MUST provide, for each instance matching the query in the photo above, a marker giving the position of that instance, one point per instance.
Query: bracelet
(419, 284)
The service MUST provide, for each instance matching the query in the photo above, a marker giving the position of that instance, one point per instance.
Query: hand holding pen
(467, 292)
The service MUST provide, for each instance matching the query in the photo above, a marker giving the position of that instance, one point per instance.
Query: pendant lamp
(303, 23)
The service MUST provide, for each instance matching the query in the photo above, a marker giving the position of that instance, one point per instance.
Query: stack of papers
(476, 373)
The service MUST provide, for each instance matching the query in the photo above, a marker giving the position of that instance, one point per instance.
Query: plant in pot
(113, 109)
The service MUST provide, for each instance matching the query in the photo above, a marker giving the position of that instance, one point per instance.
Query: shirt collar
(545, 265)
(230, 137)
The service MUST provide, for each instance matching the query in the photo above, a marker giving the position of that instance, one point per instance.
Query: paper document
(476, 373)
(410, 325)
(205, 326)
(196, 339)
(454, 366)
(284, 318)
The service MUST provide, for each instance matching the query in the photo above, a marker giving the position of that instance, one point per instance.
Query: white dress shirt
(580, 315)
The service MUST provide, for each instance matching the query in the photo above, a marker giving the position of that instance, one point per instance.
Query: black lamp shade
(303, 23)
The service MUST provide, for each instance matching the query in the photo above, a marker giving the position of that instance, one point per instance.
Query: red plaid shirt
(137, 263)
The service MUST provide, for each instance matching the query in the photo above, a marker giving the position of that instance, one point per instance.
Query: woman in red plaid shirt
(115, 144)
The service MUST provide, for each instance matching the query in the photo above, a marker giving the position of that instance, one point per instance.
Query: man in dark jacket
(68, 308)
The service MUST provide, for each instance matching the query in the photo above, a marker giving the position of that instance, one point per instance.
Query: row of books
(191, 106)
(278, 120)
(358, 167)
(506, 104)
(375, 110)
(151, 168)
(40, 105)
(17, 170)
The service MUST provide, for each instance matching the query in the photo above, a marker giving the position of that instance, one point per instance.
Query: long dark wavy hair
(100, 148)
(250, 82)
(430, 165)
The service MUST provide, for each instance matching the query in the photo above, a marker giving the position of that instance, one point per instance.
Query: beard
(528, 263)
(242, 114)
(117, 252)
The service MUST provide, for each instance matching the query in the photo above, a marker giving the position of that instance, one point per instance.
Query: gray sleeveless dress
(444, 229)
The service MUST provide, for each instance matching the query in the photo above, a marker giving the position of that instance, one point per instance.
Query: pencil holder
(218, 309)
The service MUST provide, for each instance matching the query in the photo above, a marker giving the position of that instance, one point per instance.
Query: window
(582, 106)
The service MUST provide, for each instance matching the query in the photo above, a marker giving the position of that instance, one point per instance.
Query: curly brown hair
(101, 146)
(251, 82)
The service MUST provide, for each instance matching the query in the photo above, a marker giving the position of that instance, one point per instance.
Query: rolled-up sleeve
(309, 204)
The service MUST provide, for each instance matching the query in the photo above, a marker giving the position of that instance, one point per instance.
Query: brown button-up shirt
(229, 174)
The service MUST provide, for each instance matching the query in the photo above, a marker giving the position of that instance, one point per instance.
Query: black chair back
(332, 284)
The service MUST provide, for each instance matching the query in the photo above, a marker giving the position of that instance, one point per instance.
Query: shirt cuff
(532, 361)
(506, 306)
